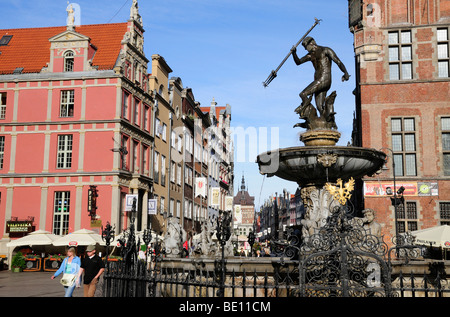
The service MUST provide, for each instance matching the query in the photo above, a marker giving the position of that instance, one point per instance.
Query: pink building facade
(75, 111)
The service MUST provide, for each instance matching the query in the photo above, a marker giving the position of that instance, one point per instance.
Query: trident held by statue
(273, 74)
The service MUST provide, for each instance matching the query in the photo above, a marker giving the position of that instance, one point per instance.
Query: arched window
(68, 61)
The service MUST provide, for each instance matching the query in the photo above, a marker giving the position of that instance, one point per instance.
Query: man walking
(93, 267)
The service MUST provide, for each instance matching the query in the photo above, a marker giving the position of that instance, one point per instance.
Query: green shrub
(18, 261)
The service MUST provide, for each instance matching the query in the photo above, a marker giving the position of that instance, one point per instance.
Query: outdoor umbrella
(436, 236)
(82, 237)
(38, 237)
(41, 238)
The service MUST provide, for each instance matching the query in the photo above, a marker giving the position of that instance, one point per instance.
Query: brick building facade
(403, 107)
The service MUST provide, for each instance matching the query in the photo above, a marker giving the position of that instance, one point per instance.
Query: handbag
(68, 279)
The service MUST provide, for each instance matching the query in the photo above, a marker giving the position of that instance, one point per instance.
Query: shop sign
(377, 189)
(19, 226)
(97, 223)
(428, 189)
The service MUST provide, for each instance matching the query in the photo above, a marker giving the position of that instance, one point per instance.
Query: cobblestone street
(35, 284)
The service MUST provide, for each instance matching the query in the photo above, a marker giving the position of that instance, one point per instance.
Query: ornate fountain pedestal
(318, 168)
(320, 137)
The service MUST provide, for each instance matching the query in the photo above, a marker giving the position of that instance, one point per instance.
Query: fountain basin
(318, 165)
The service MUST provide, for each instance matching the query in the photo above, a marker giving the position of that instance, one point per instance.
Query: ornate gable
(75, 45)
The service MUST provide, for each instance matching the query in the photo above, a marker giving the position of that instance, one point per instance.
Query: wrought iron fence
(343, 259)
(284, 280)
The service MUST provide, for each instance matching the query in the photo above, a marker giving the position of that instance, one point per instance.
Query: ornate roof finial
(134, 12)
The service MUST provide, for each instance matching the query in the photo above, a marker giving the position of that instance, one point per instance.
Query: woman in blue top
(70, 265)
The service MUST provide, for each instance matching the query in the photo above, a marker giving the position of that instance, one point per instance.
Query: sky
(224, 50)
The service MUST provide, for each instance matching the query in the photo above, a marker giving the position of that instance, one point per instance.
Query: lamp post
(251, 241)
(223, 230)
(107, 236)
(147, 237)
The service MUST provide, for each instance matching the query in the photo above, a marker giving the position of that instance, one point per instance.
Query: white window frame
(407, 138)
(173, 171)
(125, 101)
(179, 174)
(162, 203)
(2, 105)
(164, 132)
(178, 210)
(398, 45)
(146, 117)
(2, 150)
(61, 212)
(156, 168)
(64, 151)
(163, 170)
(443, 52)
(69, 61)
(158, 127)
(67, 103)
(171, 207)
(137, 105)
(445, 130)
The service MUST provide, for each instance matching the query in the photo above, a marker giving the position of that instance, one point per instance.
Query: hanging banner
(129, 202)
(200, 186)
(229, 203)
(215, 196)
(237, 214)
(152, 206)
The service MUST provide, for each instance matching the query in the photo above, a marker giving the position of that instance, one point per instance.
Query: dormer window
(5, 40)
(68, 61)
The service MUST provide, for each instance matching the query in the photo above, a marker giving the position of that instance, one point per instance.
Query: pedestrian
(185, 252)
(70, 265)
(93, 267)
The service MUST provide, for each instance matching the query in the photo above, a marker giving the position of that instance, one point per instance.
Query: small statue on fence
(368, 223)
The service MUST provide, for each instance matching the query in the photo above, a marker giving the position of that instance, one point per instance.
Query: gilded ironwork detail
(341, 192)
